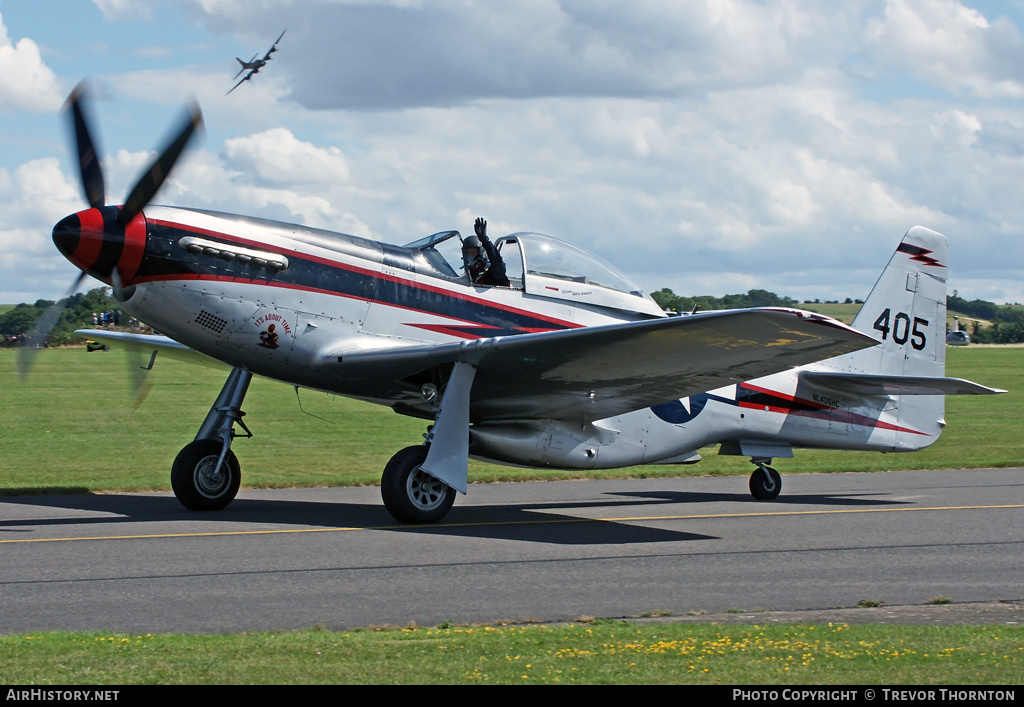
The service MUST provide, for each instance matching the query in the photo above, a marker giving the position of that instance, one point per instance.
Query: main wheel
(765, 483)
(410, 494)
(196, 481)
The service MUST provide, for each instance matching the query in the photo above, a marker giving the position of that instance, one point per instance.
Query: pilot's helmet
(473, 256)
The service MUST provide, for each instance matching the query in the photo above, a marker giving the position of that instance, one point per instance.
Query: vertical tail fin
(901, 382)
(906, 310)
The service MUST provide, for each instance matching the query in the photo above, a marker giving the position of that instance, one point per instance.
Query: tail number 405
(901, 330)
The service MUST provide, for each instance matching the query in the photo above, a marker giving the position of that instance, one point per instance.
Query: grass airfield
(71, 427)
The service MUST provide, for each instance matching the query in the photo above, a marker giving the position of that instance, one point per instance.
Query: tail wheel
(410, 494)
(197, 482)
(765, 483)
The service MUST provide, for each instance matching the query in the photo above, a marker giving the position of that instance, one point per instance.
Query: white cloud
(382, 55)
(32, 199)
(125, 9)
(26, 83)
(36, 194)
(710, 147)
(950, 45)
(276, 156)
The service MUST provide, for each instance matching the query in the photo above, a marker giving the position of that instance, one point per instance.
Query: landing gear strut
(419, 483)
(765, 482)
(206, 474)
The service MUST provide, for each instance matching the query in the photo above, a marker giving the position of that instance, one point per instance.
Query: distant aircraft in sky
(254, 65)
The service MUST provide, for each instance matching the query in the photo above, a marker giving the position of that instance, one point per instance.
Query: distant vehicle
(957, 337)
(93, 345)
(254, 65)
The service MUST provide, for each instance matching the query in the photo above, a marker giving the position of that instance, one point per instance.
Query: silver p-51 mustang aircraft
(569, 366)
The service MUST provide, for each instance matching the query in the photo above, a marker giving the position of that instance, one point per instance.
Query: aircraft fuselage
(278, 299)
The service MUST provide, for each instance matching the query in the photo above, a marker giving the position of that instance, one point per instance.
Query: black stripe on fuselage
(165, 260)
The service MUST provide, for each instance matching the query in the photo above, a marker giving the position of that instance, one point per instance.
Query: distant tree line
(670, 301)
(81, 311)
(1002, 324)
(1007, 322)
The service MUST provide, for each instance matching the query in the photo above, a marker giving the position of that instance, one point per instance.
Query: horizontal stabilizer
(868, 384)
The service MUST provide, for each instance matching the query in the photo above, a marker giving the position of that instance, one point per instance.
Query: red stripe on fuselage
(288, 252)
(818, 411)
(469, 332)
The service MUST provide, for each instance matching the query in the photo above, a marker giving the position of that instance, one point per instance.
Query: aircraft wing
(148, 343)
(273, 47)
(247, 77)
(597, 372)
(869, 384)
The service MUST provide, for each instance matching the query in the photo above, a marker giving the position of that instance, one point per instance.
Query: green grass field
(71, 427)
(601, 652)
(843, 312)
(847, 312)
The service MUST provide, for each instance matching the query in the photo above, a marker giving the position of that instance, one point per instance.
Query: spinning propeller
(107, 242)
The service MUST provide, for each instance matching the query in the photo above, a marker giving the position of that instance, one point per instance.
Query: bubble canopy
(550, 257)
(548, 267)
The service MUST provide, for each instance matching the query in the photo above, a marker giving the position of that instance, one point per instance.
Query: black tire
(410, 494)
(193, 479)
(765, 484)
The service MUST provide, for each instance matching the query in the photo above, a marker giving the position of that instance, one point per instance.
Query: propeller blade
(137, 372)
(154, 177)
(41, 332)
(88, 158)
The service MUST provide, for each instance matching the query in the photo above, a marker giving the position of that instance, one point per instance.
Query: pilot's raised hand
(481, 228)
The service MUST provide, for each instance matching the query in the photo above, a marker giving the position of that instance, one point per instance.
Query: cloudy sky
(709, 146)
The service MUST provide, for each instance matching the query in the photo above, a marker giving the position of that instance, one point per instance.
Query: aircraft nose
(79, 237)
(65, 234)
(96, 243)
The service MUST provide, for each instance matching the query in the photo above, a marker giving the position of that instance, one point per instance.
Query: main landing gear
(419, 483)
(206, 474)
(765, 482)
(410, 494)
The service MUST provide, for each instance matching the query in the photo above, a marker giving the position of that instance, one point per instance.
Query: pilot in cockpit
(483, 262)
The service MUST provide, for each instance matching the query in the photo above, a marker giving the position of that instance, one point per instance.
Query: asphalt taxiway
(692, 549)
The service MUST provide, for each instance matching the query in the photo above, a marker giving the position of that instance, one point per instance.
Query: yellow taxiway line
(546, 521)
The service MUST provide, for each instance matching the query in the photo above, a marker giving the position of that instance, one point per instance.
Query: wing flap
(597, 372)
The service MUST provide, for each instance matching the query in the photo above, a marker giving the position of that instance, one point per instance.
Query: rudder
(906, 309)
